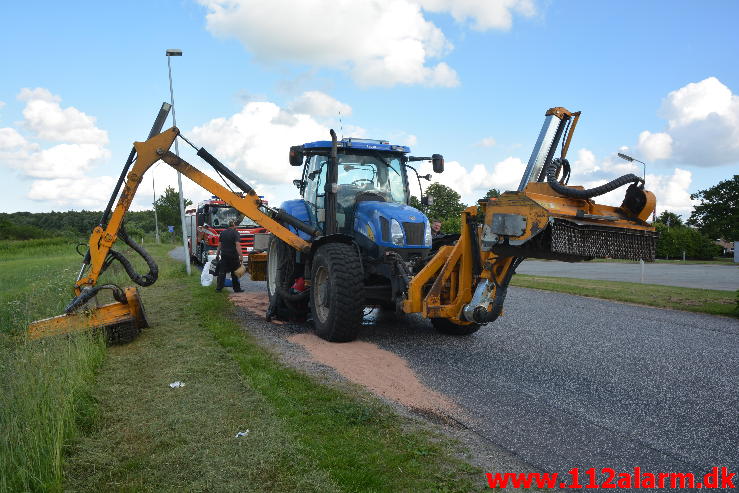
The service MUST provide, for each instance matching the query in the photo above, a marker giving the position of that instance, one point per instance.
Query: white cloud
(379, 42)
(671, 190)
(472, 184)
(60, 172)
(49, 121)
(486, 142)
(585, 162)
(319, 104)
(10, 138)
(64, 161)
(83, 192)
(702, 126)
(490, 14)
(255, 141)
(655, 146)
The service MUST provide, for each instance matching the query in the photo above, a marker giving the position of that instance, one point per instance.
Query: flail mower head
(121, 321)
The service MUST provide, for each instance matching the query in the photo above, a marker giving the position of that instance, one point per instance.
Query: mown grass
(304, 436)
(713, 302)
(45, 386)
(360, 443)
(714, 261)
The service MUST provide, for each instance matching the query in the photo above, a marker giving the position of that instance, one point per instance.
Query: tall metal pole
(156, 222)
(170, 54)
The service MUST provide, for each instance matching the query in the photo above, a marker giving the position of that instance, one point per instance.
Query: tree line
(32, 225)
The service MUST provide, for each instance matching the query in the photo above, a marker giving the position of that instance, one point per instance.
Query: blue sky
(471, 80)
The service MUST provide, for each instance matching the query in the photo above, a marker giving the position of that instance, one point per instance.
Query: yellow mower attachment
(121, 321)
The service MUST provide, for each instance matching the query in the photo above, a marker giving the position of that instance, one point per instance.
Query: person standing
(229, 253)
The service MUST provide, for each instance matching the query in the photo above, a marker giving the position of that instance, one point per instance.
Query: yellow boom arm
(149, 152)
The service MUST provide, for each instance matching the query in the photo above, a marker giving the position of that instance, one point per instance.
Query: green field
(77, 416)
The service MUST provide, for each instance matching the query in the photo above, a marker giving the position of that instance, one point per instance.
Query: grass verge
(709, 301)
(46, 397)
(303, 435)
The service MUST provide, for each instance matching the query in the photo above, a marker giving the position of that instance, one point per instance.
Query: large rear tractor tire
(337, 292)
(281, 273)
(446, 326)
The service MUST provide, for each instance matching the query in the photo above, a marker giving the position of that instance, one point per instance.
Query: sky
(81, 81)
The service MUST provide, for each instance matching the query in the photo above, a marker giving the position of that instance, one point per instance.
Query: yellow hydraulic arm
(128, 309)
(465, 283)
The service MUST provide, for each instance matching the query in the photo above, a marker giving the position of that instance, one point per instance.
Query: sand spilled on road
(383, 372)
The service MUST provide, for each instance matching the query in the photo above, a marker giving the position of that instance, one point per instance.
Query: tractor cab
(370, 191)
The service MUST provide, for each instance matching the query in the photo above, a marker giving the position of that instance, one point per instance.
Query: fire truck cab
(208, 220)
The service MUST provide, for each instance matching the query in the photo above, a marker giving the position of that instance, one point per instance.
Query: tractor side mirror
(296, 156)
(437, 160)
(427, 200)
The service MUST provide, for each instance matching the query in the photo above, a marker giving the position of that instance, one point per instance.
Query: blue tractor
(367, 242)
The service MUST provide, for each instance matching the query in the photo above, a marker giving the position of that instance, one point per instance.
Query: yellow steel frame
(148, 153)
(447, 282)
(131, 312)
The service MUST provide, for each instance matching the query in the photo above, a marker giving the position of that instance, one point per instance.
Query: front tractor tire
(446, 326)
(337, 292)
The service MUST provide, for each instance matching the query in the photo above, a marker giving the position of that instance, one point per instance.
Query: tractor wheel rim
(320, 286)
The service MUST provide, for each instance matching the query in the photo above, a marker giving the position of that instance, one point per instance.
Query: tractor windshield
(220, 216)
(370, 175)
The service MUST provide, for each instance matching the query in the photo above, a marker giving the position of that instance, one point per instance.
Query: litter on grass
(177, 384)
(242, 434)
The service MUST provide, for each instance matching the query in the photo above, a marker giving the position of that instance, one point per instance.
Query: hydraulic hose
(89, 293)
(147, 279)
(590, 192)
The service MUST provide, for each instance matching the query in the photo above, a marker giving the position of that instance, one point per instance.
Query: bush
(12, 231)
(674, 241)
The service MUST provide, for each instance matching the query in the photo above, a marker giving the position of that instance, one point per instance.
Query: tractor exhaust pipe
(331, 187)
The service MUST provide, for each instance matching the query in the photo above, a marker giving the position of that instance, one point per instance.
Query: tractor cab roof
(359, 144)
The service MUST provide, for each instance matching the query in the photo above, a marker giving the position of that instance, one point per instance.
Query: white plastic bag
(206, 278)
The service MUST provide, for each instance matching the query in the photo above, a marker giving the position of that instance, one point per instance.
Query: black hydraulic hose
(147, 279)
(590, 192)
(89, 293)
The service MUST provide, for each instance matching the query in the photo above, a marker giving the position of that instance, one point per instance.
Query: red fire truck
(205, 223)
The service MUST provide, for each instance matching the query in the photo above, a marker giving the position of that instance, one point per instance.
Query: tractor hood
(375, 220)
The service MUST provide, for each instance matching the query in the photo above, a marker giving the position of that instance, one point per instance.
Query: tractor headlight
(427, 239)
(396, 233)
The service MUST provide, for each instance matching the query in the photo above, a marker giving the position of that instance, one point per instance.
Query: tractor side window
(315, 180)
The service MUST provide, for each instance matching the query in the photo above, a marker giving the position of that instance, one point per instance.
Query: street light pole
(156, 221)
(170, 54)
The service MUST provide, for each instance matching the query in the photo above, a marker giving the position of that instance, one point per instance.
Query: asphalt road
(704, 276)
(564, 381)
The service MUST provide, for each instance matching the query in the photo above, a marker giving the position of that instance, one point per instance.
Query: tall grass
(45, 386)
(45, 401)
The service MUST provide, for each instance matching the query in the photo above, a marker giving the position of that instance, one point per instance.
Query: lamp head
(174, 53)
